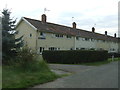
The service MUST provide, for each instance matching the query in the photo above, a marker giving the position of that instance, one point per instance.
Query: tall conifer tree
(9, 46)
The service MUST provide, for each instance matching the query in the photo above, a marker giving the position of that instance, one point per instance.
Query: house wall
(96, 44)
(61, 43)
(113, 47)
(82, 43)
(50, 40)
(100, 44)
(25, 29)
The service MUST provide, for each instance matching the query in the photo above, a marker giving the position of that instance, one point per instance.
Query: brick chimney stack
(105, 32)
(74, 25)
(93, 29)
(44, 18)
(115, 35)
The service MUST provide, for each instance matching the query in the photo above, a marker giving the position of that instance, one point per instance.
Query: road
(104, 76)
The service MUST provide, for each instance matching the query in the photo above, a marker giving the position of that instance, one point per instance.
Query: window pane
(30, 35)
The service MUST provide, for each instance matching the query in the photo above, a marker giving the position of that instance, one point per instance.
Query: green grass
(19, 77)
(14, 77)
(100, 62)
(115, 59)
(96, 63)
(26, 70)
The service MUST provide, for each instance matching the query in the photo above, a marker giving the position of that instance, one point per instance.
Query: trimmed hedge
(74, 56)
(113, 54)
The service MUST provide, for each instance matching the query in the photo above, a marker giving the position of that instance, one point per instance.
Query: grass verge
(100, 62)
(14, 77)
(96, 63)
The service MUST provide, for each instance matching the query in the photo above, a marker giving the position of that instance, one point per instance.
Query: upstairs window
(42, 36)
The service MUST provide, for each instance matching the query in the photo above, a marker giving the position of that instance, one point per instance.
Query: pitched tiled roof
(60, 29)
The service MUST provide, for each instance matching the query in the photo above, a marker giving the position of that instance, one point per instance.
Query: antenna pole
(72, 19)
(94, 24)
(45, 10)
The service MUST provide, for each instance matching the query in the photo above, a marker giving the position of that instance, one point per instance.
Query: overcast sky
(103, 14)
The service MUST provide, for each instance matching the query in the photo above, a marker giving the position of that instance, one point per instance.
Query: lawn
(101, 62)
(26, 70)
(13, 77)
(98, 63)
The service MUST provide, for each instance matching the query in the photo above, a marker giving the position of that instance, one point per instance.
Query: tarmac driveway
(105, 76)
(70, 68)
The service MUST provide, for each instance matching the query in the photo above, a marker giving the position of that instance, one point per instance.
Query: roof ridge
(58, 24)
(48, 22)
(76, 30)
(31, 19)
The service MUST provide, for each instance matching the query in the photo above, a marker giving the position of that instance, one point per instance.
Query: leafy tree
(10, 45)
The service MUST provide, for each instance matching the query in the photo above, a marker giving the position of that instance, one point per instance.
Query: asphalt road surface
(104, 76)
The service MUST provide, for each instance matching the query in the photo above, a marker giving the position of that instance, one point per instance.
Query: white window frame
(41, 49)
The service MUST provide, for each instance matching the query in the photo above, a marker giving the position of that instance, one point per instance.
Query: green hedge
(74, 56)
(113, 54)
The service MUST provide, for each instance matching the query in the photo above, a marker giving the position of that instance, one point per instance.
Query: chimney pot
(115, 35)
(105, 32)
(74, 25)
(44, 18)
(93, 29)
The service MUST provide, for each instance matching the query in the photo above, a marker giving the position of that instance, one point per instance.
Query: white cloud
(85, 12)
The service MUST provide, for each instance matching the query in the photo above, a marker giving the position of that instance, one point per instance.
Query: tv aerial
(45, 9)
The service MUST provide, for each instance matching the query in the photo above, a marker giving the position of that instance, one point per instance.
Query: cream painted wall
(63, 43)
(26, 30)
(81, 43)
(52, 41)
(114, 45)
(97, 44)
(104, 45)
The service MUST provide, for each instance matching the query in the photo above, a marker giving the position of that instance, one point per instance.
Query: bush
(15, 77)
(113, 54)
(74, 56)
(28, 61)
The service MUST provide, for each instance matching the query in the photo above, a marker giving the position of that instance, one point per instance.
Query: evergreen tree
(9, 46)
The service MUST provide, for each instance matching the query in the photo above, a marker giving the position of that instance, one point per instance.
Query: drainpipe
(74, 43)
(36, 40)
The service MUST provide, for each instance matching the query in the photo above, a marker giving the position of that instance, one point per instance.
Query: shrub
(74, 56)
(113, 54)
(28, 61)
